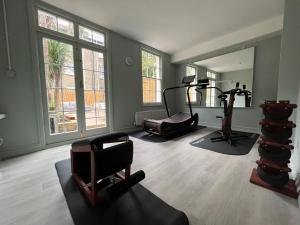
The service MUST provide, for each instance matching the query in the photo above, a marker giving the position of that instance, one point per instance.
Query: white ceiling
(172, 25)
(239, 60)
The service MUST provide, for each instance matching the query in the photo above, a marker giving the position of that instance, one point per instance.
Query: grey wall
(21, 131)
(264, 87)
(17, 99)
(289, 71)
(245, 77)
(127, 81)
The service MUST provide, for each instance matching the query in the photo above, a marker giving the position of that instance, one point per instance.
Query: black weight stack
(275, 144)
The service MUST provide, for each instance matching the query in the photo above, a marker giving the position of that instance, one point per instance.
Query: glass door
(59, 82)
(94, 91)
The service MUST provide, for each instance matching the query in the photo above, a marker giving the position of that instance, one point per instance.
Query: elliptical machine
(226, 133)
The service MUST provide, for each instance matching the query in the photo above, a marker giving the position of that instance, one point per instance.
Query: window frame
(44, 29)
(36, 32)
(77, 21)
(159, 54)
(195, 82)
(210, 89)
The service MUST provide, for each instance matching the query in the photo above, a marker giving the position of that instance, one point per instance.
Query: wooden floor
(210, 188)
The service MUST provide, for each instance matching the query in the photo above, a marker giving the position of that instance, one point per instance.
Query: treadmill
(178, 122)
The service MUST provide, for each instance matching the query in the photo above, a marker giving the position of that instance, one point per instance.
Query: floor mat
(135, 207)
(241, 147)
(143, 135)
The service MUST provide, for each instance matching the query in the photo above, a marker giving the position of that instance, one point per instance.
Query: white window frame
(193, 101)
(35, 36)
(160, 69)
(212, 100)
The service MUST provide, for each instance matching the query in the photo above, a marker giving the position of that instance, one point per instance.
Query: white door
(74, 89)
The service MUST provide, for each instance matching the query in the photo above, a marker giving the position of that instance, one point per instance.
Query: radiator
(152, 114)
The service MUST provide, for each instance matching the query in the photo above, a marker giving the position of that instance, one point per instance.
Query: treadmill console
(203, 83)
(188, 80)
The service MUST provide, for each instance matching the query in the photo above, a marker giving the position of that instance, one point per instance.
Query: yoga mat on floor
(143, 135)
(138, 206)
(241, 147)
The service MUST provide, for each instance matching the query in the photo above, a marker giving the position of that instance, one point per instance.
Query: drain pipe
(10, 71)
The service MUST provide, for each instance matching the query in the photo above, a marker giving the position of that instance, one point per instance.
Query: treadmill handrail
(165, 98)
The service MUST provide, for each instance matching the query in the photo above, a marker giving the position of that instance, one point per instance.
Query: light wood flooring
(210, 188)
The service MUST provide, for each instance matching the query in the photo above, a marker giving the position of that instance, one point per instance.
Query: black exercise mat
(138, 206)
(145, 136)
(241, 147)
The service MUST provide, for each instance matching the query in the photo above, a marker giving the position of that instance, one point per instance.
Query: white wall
(245, 77)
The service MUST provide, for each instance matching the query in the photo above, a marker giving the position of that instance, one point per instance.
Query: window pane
(87, 59)
(94, 89)
(47, 20)
(98, 38)
(85, 34)
(60, 86)
(91, 123)
(54, 97)
(191, 71)
(99, 81)
(101, 121)
(65, 26)
(88, 80)
(98, 61)
(151, 74)
(70, 123)
(56, 122)
(67, 77)
(92, 36)
(89, 103)
(69, 100)
(52, 22)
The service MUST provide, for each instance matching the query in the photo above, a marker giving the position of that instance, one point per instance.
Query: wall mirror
(223, 72)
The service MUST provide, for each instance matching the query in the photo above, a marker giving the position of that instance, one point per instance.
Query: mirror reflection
(223, 73)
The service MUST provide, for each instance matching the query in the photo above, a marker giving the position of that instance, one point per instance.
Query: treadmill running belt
(145, 136)
(138, 206)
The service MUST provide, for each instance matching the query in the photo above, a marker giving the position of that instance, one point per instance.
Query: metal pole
(189, 100)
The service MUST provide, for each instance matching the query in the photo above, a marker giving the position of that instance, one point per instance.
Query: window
(151, 73)
(191, 71)
(92, 36)
(74, 91)
(52, 22)
(211, 92)
(60, 86)
(94, 88)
